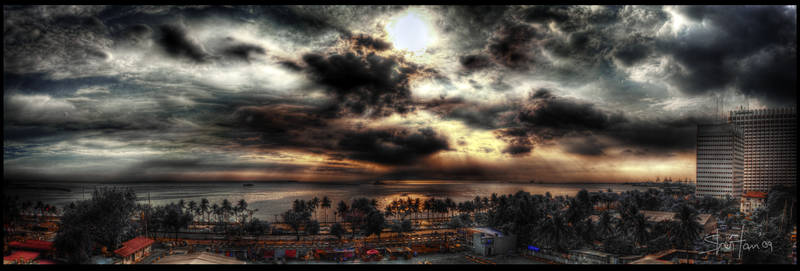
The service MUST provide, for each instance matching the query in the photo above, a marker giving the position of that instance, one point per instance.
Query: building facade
(720, 161)
(489, 242)
(751, 201)
(135, 249)
(770, 147)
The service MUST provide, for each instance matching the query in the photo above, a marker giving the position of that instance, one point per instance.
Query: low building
(20, 257)
(707, 221)
(489, 242)
(677, 256)
(135, 249)
(588, 256)
(199, 258)
(751, 201)
(44, 247)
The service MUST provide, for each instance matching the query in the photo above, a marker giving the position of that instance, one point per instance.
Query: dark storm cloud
(367, 42)
(549, 116)
(277, 125)
(633, 50)
(243, 51)
(474, 62)
(750, 41)
(511, 45)
(178, 44)
(303, 128)
(519, 143)
(362, 83)
(546, 14)
(392, 146)
(577, 126)
(290, 65)
(482, 116)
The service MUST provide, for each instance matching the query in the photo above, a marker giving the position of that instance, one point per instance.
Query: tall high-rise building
(770, 147)
(720, 161)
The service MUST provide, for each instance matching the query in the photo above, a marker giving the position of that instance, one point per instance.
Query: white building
(751, 201)
(720, 161)
(489, 242)
(770, 147)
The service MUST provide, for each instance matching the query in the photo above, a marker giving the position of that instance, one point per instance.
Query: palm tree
(204, 207)
(226, 208)
(216, 211)
(449, 206)
(241, 208)
(341, 209)
(639, 227)
(326, 204)
(428, 205)
(554, 232)
(686, 229)
(416, 208)
(314, 205)
(193, 207)
(606, 225)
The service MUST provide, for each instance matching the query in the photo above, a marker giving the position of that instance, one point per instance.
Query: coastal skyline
(343, 93)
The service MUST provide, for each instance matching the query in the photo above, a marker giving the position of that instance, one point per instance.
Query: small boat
(247, 185)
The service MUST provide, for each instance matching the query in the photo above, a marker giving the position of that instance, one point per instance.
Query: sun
(409, 33)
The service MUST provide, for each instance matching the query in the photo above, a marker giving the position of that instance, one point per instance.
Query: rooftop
(38, 245)
(591, 252)
(488, 231)
(755, 194)
(133, 245)
(199, 258)
(24, 255)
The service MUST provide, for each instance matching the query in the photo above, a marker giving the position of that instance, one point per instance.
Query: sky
(360, 93)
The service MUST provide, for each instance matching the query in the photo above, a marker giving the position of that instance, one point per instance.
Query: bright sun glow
(409, 33)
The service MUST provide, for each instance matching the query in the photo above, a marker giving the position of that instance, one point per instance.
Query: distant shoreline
(19, 183)
(36, 187)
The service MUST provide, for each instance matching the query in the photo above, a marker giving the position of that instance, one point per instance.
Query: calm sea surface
(271, 199)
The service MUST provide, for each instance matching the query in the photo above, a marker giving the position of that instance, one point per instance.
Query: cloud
(392, 146)
(243, 51)
(549, 116)
(299, 84)
(304, 129)
(708, 57)
(511, 46)
(581, 128)
(369, 43)
(371, 84)
(474, 62)
(177, 43)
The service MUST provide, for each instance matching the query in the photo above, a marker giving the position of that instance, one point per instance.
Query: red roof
(755, 194)
(134, 245)
(24, 255)
(32, 245)
(46, 262)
